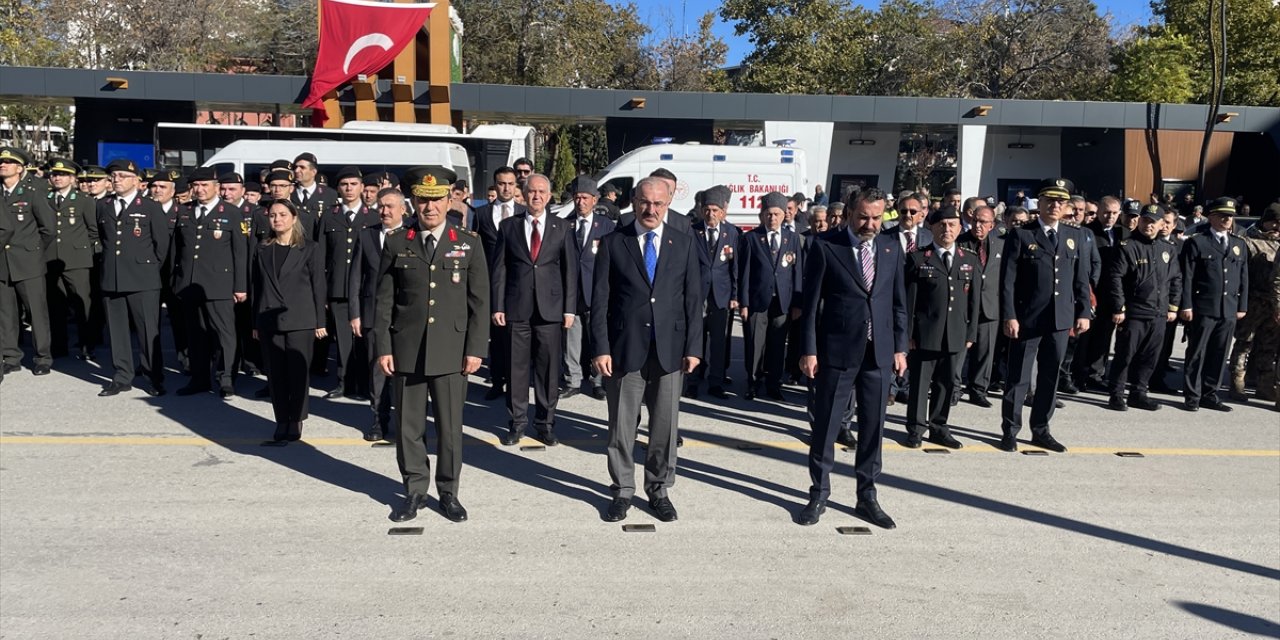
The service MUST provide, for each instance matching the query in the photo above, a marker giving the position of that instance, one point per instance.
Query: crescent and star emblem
(363, 42)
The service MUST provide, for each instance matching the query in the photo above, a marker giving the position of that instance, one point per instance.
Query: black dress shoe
(717, 392)
(12, 368)
(945, 439)
(374, 434)
(870, 511)
(1058, 404)
(1215, 404)
(846, 438)
(598, 393)
(156, 390)
(1068, 386)
(617, 510)
(193, 389)
(40, 370)
(451, 508)
(570, 392)
(1009, 443)
(663, 508)
(113, 389)
(1047, 442)
(902, 397)
(749, 395)
(811, 512)
(85, 354)
(1117, 403)
(679, 441)
(333, 394)
(691, 392)
(226, 392)
(979, 400)
(495, 392)
(1141, 401)
(1191, 405)
(409, 509)
(913, 441)
(548, 438)
(295, 431)
(511, 437)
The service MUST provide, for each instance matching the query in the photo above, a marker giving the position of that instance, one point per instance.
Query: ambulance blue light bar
(664, 140)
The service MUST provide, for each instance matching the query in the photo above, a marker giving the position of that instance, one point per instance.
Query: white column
(970, 147)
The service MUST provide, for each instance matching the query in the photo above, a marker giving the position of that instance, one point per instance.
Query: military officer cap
(308, 156)
(717, 195)
(373, 180)
(429, 182)
(149, 173)
(1059, 188)
(63, 165)
(1153, 212)
(122, 164)
(346, 172)
(1223, 206)
(773, 200)
(281, 164)
(280, 175)
(252, 187)
(1132, 207)
(943, 213)
(584, 184)
(230, 178)
(14, 154)
(92, 172)
(203, 174)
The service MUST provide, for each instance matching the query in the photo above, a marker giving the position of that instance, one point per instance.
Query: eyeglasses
(524, 172)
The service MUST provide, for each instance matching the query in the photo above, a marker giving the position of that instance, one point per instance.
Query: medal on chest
(788, 258)
(137, 229)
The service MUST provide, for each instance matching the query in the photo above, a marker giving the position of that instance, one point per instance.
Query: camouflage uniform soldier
(1258, 334)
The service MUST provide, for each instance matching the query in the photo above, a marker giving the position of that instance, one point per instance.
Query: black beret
(942, 213)
(63, 165)
(14, 154)
(718, 195)
(346, 172)
(372, 180)
(203, 174)
(180, 185)
(230, 178)
(308, 156)
(1059, 188)
(122, 164)
(1223, 206)
(252, 187)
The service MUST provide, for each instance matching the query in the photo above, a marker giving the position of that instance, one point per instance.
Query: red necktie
(911, 242)
(535, 240)
(982, 252)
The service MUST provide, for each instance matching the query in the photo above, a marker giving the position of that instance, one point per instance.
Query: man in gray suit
(647, 327)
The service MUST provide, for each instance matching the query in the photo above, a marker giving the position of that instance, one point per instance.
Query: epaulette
(397, 230)
(468, 232)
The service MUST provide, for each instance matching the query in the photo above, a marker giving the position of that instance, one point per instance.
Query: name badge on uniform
(456, 277)
(1165, 255)
(1235, 250)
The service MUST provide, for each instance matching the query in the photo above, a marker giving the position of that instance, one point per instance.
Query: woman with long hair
(288, 289)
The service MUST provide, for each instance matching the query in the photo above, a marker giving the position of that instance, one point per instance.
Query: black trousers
(211, 329)
(352, 355)
(982, 357)
(68, 295)
(1208, 343)
(448, 393)
(933, 376)
(380, 393)
(499, 354)
(31, 292)
(1096, 343)
(717, 323)
(248, 350)
(1046, 351)
(538, 344)
(1166, 351)
(142, 309)
(174, 309)
(289, 372)
(1138, 343)
(832, 391)
(766, 343)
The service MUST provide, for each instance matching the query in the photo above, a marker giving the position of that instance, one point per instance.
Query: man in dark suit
(392, 206)
(648, 331)
(589, 226)
(1215, 286)
(1044, 294)
(534, 295)
(717, 245)
(338, 231)
(430, 330)
(210, 275)
(135, 240)
(22, 262)
(70, 257)
(485, 222)
(855, 336)
(1090, 365)
(313, 198)
(980, 241)
(943, 295)
(769, 287)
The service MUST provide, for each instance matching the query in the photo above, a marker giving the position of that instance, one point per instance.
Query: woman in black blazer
(288, 289)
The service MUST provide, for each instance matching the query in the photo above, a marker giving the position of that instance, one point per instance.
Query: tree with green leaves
(800, 46)
(1253, 56)
(562, 170)
(692, 62)
(1154, 69)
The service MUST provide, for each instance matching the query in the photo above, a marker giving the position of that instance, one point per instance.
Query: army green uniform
(22, 270)
(1257, 334)
(70, 261)
(432, 311)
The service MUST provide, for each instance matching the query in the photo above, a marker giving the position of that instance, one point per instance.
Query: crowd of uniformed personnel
(954, 299)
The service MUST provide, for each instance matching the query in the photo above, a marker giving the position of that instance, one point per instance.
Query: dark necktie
(1053, 239)
(982, 252)
(57, 200)
(203, 211)
(711, 239)
(582, 232)
(120, 206)
(1223, 242)
(306, 197)
(773, 243)
(946, 259)
(535, 240)
(430, 245)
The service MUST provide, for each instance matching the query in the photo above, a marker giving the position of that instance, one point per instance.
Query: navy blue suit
(499, 348)
(769, 285)
(719, 286)
(1045, 288)
(578, 346)
(837, 310)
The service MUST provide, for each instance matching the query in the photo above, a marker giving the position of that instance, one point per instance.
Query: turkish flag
(360, 37)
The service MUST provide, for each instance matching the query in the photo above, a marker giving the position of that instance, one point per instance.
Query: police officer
(135, 240)
(944, 290)
(433, 287)
(1144, 285)
(210, 275)
(339, 229)
(1258, 335)
(22, 262)
(1044, 294)
(1215, 285)
(70, 257)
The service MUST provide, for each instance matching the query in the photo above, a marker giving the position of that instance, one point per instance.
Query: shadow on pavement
(1231, 619)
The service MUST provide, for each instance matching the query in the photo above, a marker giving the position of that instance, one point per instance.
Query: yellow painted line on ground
(790, 445)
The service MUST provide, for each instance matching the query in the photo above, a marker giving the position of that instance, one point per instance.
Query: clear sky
(666, 15)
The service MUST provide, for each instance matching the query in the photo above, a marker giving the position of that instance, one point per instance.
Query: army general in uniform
(431, 328)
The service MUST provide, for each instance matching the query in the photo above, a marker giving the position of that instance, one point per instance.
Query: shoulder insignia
(1124, 243)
